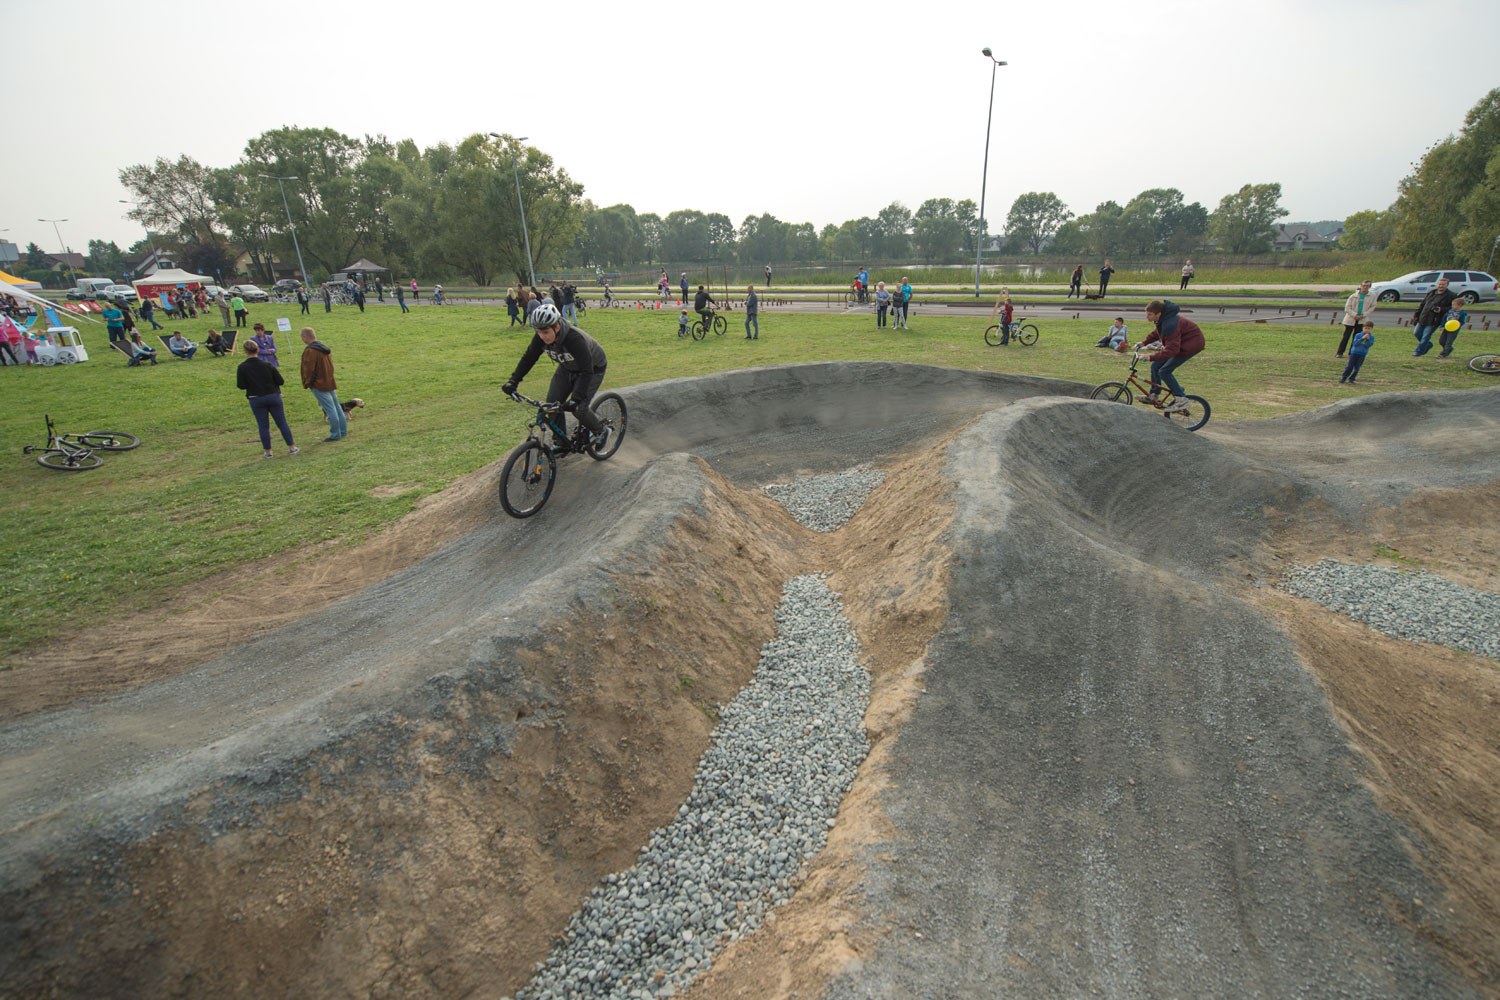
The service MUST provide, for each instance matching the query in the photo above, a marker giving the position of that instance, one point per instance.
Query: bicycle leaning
(1191, 416)
(1020, 330)
(530, 470)
(75, 452)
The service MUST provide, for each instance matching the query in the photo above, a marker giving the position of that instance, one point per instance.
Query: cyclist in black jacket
(580, 366)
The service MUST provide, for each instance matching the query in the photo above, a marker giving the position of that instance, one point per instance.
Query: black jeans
(1349, 331)
(580, 387)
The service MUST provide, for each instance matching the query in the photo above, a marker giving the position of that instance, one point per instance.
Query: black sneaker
(601, 438)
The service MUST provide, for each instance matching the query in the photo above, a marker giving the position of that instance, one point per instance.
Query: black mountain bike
(719, 325)
(530, 469)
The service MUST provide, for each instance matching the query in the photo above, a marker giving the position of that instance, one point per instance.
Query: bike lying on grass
(530, 469)
(1191, 417)
(1488, 364)
(75, 452)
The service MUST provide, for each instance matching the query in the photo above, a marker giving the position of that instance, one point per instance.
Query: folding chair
(123, 346)
(164, 338)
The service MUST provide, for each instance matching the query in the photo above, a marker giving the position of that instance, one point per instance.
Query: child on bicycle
(1180, 340)
(682, 324)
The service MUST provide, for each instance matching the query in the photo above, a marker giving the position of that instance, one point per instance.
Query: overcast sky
(812, 112)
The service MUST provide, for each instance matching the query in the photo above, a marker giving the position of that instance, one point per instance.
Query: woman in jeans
(262, 385)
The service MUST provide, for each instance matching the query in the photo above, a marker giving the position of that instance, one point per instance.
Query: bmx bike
(1020, 330)
(530, 470)
(1191, 417)
(75, 452)
(1487, 364)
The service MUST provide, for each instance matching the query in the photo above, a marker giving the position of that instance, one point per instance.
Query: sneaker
(290, 451)
(329, 438)
(1150, 399)
(602, 438)
(1176, 405)
(267, 455)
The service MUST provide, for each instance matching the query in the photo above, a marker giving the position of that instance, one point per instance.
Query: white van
(89, 288)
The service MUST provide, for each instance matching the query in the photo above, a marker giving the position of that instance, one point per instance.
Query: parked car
(89, 288)
(250, 293)
(287, 286)
(213, 292)
(1471, 286)
(119, 294)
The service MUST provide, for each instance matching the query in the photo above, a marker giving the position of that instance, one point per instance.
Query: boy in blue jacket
(1358, 348)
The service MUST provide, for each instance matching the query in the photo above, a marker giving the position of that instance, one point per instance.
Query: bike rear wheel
(1027, 335)
(1489, 364)
(698, 332)
(64, 461)
(610, 408)
(1113, 392)
(720, 325)
(527, 478)
(109, 440)
(992, 335)
(1193, 417)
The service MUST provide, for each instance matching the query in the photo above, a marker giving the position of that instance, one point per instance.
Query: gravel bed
(763, 800)
(825, 503)
(1409, 605)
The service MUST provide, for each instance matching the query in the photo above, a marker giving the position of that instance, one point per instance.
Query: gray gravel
(1416, 605)
(825, 503)
(763, 800)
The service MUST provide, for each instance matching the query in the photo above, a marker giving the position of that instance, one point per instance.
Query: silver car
(119, 294)
(1471, 286)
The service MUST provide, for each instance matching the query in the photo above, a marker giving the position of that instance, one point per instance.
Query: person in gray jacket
(752, 313)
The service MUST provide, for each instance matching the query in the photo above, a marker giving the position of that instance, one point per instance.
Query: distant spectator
(181, 346)
(114, 322)
(1075, 283)
(317, 375)
(882, 304)
(512, 306)
(241, 314)
(1187, 274)
(327, 298)
(1116, 335)
(752, 313)
(768, 275)
(222, 301)
(684, 283)
(304, 300)
(1359, 305)
(379, 289)
(904, 302)
(1429, 316)
(148, 312)
(265, 346)
(401, 298)
(1104, 275)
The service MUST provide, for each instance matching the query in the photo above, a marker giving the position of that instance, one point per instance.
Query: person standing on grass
(1456, 314)
(262, 387)
(379, 289)
(752, 312)
(401, 299)
(513, 305)
(240, 312)
(1007, 311)
(683, 282)
(882, 304)
(359, 297)
(1075, 283)
(265, 346)
(1358, 348)
(768, 275)
(1104, 274)
(114, 322)
(1429, 316)
(148, 312)
(327, 298)
(304, 300)
(1359, 305)
(222, 301)
(1187, 275)
(317, 375)
(905, 302)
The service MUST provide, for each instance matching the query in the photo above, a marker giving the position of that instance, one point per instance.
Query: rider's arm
(529, 359)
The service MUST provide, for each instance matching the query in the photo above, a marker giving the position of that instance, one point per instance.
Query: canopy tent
(10, 283)
(363, 266)
(169, 279)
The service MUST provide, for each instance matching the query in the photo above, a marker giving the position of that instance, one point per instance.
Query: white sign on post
(283, 325)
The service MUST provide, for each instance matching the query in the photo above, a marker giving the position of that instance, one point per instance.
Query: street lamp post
(984, 177)
(1488, 265)
(289, 224)
(530, 267)
(62, 246)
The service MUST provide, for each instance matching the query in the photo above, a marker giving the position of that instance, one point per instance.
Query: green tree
(762, 239)
(893, 226)
(36, 258)
(1430, 209)
(720, 237)
(801, 242)
(1477, 241)
(939, 232)
(173, 198)
(1034, 218)
(685, 236)
(1368, 230)
(1244, 222)
(615, 235)
(105, 259)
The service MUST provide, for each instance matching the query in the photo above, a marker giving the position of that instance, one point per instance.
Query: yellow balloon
(1451, 326)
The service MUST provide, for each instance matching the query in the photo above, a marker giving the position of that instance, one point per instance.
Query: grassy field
(198, 497)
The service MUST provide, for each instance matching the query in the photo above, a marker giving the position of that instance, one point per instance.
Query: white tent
(171, 277)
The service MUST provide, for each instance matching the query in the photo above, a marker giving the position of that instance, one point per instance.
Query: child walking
(1358, 348)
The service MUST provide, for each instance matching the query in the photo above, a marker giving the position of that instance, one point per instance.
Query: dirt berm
(1108, 758)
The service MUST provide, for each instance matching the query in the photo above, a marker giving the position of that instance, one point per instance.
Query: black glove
(509, 388)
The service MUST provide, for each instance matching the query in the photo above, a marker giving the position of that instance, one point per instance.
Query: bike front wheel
(1027, 335)
(610, 408)
(992, 335)
(68, 461)
(698, 332)
(1193, 416)
(1113, 392)
(1489, 364)
(720, 325)
(109, 440)
(526, 479)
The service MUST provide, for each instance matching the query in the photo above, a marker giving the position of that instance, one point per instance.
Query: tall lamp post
(61, 245)
(289, 224)
(530, 267)
(984, 177)
(1488, 264)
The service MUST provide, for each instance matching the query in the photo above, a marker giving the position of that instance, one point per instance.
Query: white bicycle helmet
(545, 314)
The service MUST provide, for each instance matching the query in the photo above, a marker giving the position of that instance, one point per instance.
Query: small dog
(350, 405)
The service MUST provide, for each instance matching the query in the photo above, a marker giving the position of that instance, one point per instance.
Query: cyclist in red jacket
(1180, 338)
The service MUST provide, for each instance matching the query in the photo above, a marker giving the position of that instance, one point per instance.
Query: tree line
(451, 210)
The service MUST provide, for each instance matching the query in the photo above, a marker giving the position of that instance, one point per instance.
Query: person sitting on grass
(181, 346)
(1116, 336)
(139, 352)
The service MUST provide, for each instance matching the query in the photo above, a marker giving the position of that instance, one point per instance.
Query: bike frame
(1144, 389)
